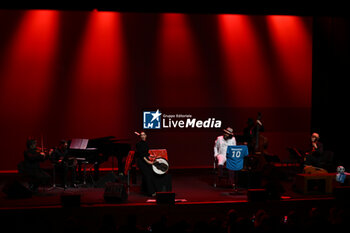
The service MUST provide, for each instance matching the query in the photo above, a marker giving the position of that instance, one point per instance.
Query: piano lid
(99, 149)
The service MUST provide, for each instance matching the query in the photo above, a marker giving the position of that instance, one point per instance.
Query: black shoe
(34, 189)
(234, 188)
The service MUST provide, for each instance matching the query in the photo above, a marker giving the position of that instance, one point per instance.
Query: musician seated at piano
(33, 156)
(151, 181)
(64, 163)
(220, 148)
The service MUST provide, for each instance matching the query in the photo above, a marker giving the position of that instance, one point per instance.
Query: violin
(42, 151)
(45, 152)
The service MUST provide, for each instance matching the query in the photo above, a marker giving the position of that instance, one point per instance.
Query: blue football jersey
(235, 157)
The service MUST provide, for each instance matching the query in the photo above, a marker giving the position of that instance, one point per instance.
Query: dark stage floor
(190, 186)
(198, 201)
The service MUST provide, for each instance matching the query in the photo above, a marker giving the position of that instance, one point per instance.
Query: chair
(217, 179)
(159, 153)
(128, 166)
(55, 166)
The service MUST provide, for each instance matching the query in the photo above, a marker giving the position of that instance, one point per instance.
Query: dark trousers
(232, 175)
(64, 170)
(152, 182)
(148, 185)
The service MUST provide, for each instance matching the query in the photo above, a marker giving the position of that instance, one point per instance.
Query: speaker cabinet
(15, 190)
(314, 183)
(165, 198)
(256, 195)
(115, 192)
(70, 200)
(342, 192)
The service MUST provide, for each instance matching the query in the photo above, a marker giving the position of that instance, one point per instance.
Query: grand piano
(97, 151)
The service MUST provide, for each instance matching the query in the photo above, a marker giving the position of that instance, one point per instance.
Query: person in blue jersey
(220, 148)
(235, 157)
(235, 161)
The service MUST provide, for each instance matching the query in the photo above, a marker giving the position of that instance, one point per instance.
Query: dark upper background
(82, 73)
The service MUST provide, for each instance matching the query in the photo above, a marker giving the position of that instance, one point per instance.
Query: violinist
(33, 156)
(63, 163)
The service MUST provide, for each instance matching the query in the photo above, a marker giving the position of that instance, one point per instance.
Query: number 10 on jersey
(236, 153)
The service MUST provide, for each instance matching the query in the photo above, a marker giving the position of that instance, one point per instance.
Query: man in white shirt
(220, 148)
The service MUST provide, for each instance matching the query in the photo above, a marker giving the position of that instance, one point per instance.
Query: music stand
(81, 144)
(54, 186)
(295, 155)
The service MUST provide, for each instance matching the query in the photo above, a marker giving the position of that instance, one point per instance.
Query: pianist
(64, 163)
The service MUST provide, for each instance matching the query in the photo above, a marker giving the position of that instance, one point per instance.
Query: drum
(160, 166)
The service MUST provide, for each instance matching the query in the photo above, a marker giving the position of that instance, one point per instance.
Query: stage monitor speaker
(15, 190)
(342, 192)
(115, 192)
(70, 200)
(165, 197)
(256, 195)
(314, 183)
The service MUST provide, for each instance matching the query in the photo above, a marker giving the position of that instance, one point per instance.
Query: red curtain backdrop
(71, 74)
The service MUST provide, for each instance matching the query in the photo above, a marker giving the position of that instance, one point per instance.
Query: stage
(97, 75)
(196, 199)
(189, 186)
